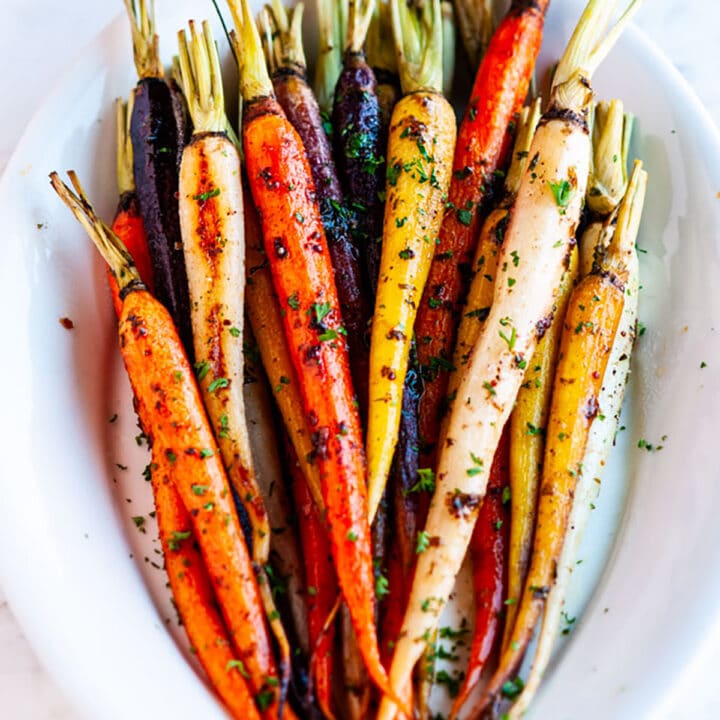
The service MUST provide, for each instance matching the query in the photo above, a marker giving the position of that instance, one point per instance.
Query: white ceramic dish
(71, 560)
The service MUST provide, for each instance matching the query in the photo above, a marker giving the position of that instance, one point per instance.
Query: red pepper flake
(66, 322)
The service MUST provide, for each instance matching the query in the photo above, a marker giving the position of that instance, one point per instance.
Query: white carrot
(213, 233)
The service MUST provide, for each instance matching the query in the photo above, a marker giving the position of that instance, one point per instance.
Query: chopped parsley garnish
(202, 197)
(464, 216)
(512, 688)
(217, 384)
(533, 430)
(382, 587)
(423, 542)
(202, 368)
(232, 664)
(562, 192)
(426, 481)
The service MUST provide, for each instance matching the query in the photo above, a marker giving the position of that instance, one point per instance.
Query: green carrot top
(146, 47)
(201, 79)
(281, 31)
(360, 13)
(527, 123)
(380, 46)
(124, 153)
(107, 242)
(333, 20)
(254, 76)
(418, 32)
(627, 218)
(612, 130)
(584, 53)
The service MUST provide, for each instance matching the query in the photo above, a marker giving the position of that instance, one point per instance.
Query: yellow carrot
(420, 152)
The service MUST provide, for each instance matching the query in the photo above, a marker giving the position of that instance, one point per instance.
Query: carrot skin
(302, 274)
(359, 151)
(298, 101)
(175, 421)
(128, 226)
(156, 143)
(488, 550)
(483, 143)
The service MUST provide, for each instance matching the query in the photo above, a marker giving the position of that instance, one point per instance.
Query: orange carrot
(173, 417)
(296, 248)
(483, 142)
(189, 581)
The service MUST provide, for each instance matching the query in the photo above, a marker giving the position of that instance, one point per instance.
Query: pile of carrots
(366, 342)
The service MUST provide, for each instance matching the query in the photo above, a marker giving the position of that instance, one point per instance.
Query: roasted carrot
(282, 39)
(606, 184)
(158, 134)
(422, 139)
(408, 486)
(359, 143)
(295, 246)
(592, 318)
(320, 585)
(533, 397)
(212, 228)
(484, 141)
(266, 320)
(127, 224)
(541, 230)
(623, 228)
(211, 221)
(528, 424)
(488, 554)
(173, 417)
(484, 265)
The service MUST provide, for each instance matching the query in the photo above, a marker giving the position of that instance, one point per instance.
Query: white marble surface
(41, 37)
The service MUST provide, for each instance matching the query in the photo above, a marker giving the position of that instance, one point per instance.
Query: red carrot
(483, 142)
(321, 586)
(487, 551)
